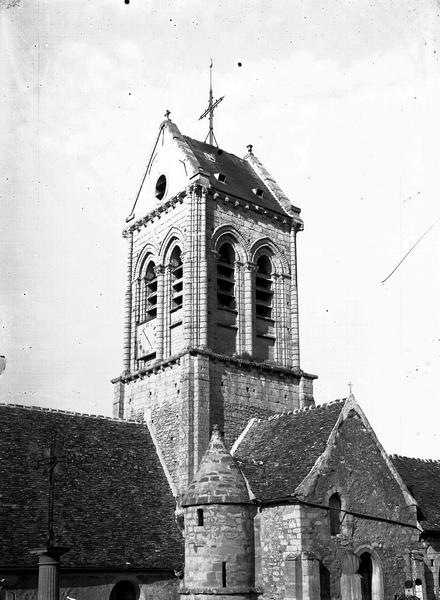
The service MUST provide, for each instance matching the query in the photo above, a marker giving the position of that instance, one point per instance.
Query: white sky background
(341, 101)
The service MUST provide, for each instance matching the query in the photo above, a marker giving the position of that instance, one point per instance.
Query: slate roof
(113, 504)
(277, 453)
(422, 478)
(218, 479)
(241, 179)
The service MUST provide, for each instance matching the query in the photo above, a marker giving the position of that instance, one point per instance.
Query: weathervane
(210, 111)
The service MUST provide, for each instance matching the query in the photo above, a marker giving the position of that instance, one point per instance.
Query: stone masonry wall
(357, 471)
(239, 393)
(226, 536)
(185, 398)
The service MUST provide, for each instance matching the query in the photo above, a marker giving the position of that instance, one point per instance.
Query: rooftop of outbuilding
(113, 505)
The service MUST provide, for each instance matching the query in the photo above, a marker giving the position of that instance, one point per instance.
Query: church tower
(211, 324)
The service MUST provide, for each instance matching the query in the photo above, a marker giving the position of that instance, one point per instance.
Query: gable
(356, 468)
(171, 159)
(113, 505)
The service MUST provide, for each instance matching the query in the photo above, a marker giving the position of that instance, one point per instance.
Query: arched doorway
(366, 573)
(124, 590)
(370, 571)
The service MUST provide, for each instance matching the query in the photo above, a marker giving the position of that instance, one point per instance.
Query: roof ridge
(303, 409)
(69, 413)
(425, 460)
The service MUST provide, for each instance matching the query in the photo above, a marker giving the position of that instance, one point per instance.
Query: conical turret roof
(218, 479)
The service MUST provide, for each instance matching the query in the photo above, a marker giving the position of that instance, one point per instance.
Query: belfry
(211, 325)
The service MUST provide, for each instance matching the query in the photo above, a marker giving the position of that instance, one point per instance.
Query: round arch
(173, 238)
(148, 252)
(371, 571)
(226, 233)
(125, 590)
(278, 258)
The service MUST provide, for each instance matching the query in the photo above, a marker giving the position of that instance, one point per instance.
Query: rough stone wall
(432, 567)
(239, 393)
(357, 471)
(97, 586)
(219, 555)
(184, 399)
(280, 535)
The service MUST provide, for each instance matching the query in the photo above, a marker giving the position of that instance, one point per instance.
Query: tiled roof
(241, 179)
(277, 453)
(113, 505)
(422, 478)
(218, 479)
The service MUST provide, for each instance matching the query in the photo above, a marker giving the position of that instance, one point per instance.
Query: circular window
(161, 186)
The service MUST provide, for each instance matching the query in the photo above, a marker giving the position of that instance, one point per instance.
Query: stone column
(160, 274)
(166, 342)
(128, 306)
(48, 572)
(240, 346)
(294, 318)
(249, 307)
(278, 330)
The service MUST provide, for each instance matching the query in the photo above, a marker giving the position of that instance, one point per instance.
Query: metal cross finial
(210, 111)
(167, 114)
(350, 387)
(52, 459)
(249, 148)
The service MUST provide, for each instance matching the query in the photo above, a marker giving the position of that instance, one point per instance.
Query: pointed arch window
(176, 278)
(335, 513)
(226, 276)
(263, 288)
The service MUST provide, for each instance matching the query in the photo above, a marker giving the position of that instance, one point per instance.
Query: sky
(340, 101)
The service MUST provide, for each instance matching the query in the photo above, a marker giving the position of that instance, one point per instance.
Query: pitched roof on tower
(241, 179)
(113, 505)
(218, 479)
(422, 478)
(191, 161)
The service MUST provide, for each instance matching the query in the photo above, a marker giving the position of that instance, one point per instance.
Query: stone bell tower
(211, 324)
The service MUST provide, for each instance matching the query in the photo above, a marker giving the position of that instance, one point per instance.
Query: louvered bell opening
(263, 288)
(225, 277)
(151, 292)
(176, 279)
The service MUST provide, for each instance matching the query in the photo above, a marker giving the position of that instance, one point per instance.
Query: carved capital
(159, 270)
(251, 267)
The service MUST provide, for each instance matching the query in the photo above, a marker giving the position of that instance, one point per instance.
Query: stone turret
(219, 534)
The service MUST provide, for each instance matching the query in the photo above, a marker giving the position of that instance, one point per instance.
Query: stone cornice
(242, 362)
(246, 205)
(215, 194)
